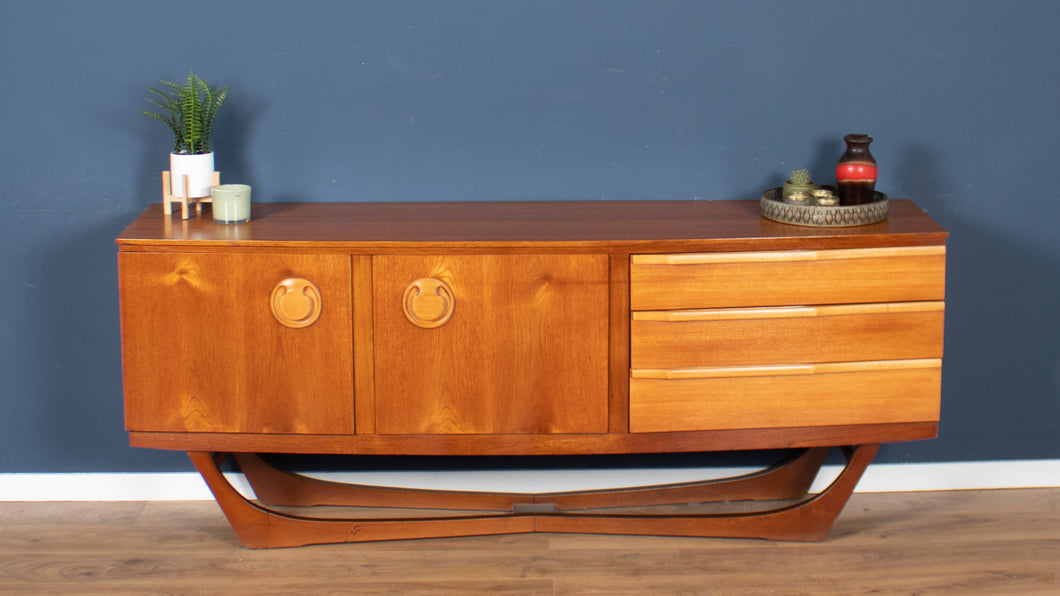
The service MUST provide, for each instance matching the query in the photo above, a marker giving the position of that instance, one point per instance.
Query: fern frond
(167, 120)
(192, 108)
(163, 96)
(214, 99)
(171, 85)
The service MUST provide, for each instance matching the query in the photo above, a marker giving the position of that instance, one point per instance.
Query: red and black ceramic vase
(856, 171)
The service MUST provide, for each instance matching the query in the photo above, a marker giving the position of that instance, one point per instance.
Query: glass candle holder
(231, 203)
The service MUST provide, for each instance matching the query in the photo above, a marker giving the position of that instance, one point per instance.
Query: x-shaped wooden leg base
(260, 527)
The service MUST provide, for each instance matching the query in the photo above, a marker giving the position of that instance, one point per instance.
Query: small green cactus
(799, 186)
(800, 177)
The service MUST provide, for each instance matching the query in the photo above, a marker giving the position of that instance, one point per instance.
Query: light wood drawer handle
(296, 302)
(783, 370)
(786, 312)
(782, 256)
(428, 303)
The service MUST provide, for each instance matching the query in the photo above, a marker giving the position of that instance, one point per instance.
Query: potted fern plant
(189, 110)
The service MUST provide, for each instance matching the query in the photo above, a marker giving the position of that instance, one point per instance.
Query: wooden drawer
(745, 336)
(780, 278)
(785, 396)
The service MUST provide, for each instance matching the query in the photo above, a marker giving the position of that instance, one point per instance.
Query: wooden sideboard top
(561, 225)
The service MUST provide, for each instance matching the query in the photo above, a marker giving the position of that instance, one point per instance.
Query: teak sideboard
(529, 328)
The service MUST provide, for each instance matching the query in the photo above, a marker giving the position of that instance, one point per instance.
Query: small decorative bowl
(807, 213)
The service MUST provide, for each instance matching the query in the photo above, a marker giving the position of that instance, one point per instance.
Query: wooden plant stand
(168, 198)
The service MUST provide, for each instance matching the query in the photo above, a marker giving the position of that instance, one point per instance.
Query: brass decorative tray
(823, 216)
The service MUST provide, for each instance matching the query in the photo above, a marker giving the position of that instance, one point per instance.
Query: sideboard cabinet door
(501, 344)
(237, 343)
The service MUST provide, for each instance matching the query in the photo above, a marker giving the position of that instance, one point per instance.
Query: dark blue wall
(446, 100)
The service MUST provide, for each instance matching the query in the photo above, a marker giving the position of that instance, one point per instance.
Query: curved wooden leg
(810, 520)
(258, 527)
(788, 479)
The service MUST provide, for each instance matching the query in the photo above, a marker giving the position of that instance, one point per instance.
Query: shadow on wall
(1001, 380)
(1001, 377)
(79, 399)
(234, 143)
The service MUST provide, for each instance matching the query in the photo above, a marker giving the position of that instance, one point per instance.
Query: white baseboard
(189, 486)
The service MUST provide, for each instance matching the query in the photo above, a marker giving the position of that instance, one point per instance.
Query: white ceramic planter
(199, 170)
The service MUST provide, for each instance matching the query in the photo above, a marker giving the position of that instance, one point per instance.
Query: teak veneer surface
(735, 337)
(525, 350)
(645, 226)
(781, 278)
(505, 328)
(575, 325)
(530, 444)
(252, 375)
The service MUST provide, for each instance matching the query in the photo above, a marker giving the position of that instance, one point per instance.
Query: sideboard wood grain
(529, 328)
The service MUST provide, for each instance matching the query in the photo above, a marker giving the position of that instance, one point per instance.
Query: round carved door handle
(428, 303)
(296, 302)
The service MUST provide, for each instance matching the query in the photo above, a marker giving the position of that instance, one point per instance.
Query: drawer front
(204, 348)
(744, 336)
(779, 278)
(786, 396)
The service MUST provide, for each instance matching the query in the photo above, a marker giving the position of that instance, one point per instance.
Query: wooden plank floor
(961, 542)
